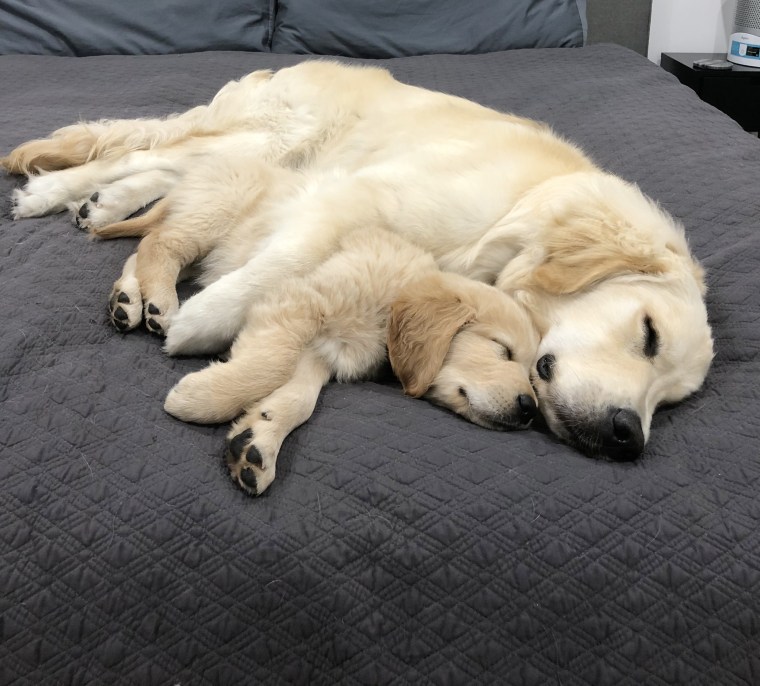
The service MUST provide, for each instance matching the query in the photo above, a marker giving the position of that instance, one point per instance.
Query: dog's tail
(138, 226)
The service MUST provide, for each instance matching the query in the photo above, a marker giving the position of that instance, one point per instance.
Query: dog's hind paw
(158, 317)
(25, 204)
(42, 195)
(125, 305)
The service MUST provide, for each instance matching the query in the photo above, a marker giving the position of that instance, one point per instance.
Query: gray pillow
(373, 28)
(107, 27)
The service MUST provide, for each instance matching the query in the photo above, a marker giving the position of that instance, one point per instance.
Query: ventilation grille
(748, 15)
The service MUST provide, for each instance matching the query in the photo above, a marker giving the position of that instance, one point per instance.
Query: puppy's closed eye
(505, 350)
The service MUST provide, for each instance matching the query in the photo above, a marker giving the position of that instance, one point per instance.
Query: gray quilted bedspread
(399, 545)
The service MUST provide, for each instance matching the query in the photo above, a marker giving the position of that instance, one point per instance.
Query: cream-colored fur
(462, 344)
(327, 149)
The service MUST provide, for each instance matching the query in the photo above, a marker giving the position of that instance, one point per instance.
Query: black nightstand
(735, 92)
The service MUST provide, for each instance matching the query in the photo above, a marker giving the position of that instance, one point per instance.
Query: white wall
(690, 26)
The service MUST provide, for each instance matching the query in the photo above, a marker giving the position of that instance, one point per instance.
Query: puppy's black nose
(527, 407)
(622, 434)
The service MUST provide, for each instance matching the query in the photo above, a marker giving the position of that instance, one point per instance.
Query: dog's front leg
(254, 440)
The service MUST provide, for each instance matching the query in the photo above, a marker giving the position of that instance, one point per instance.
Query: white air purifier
(744, 42)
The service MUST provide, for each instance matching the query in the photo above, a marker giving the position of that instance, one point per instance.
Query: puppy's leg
(262, 359)
(254, 441)
(161, 257)
(121, 199)
(125, 302)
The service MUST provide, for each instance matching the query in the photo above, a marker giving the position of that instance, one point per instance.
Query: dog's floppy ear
(597, 226)
(587, 251)
(424, 319)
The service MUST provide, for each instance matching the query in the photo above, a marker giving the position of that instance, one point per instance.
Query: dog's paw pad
(247, 465)
(253, 456)
(125, 310)
(236, 445)
(99, 210)
(154, 327)
(249, 480)
(157, 318)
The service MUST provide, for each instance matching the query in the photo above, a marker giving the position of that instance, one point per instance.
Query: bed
(399, 544)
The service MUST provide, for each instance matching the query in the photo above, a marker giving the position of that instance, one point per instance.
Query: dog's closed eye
(651, 338)
(506, 351)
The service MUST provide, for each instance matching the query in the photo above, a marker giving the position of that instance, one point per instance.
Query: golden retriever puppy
(460, 343)
(491, 196)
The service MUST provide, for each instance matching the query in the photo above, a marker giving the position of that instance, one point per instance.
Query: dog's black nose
(622, 435)
(527, 407)
(545, 367)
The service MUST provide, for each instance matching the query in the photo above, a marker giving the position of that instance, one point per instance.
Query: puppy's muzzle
(527, 408)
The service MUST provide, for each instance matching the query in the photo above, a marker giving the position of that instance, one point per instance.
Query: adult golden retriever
(616, 294)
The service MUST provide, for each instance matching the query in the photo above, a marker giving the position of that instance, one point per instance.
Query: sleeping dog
(457, 342)
(607, 275)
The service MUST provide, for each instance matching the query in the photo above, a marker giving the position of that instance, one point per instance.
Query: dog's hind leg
(254, 441)
(148, 284)
(55, 191)
(125, 302)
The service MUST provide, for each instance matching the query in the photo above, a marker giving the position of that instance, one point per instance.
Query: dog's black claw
(123, 298)
(94, 197)
(249, 479)
(253, 456)
(120, 314)
(121, 326)
(236, 444)
(154, 326)
(78, 224)
(84, 211)
(152, 309)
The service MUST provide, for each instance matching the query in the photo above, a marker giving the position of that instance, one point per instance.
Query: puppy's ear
(423, 321)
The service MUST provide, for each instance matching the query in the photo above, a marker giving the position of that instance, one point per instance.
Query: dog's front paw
(250, 467)
(102, 208)
(93, 213)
